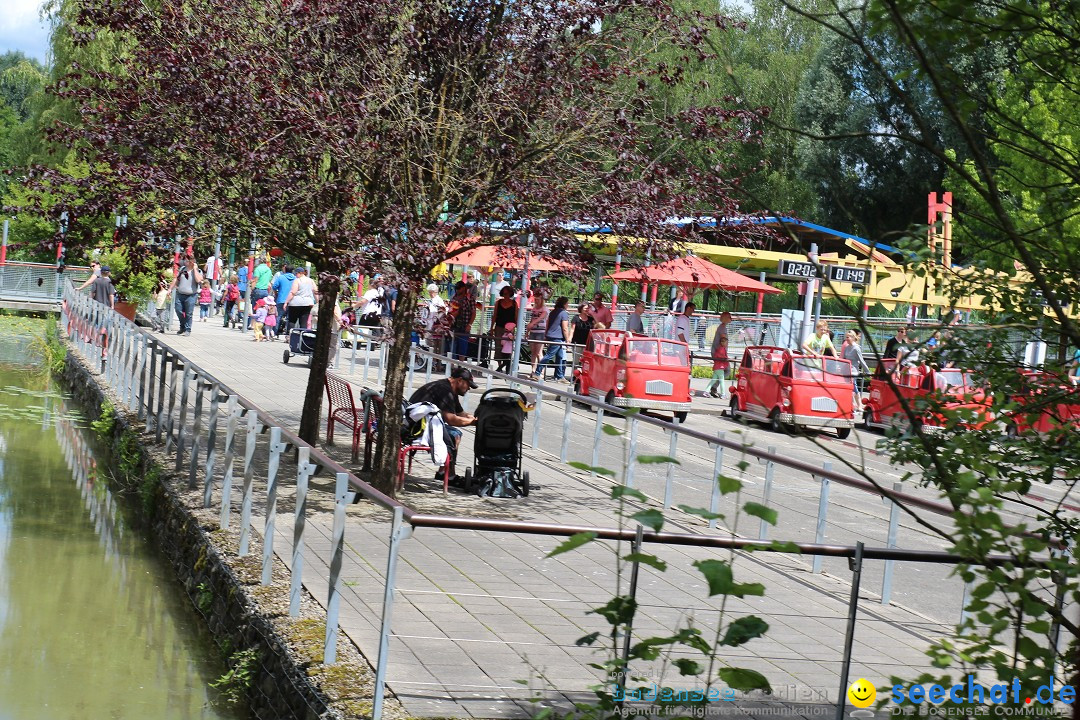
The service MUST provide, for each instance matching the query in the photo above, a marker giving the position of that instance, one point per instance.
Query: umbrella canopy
(500, 256)
(697, 273)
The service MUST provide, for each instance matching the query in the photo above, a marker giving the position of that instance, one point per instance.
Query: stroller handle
(523, 401)
(505, 391)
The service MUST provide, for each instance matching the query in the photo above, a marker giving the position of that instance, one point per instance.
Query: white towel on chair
(433, 435)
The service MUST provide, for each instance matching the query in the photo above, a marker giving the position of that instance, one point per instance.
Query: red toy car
(1051, 403)
(787, 389)
(633, 371)
(913, 386)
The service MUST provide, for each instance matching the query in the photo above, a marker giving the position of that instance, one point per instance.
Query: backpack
(233, 293)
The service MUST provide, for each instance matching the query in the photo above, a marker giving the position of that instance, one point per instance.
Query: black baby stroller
(496, 470)
(301, 342)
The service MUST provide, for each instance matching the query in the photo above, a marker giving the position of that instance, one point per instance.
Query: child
(720, 367)
(271, 321)
(206, 297)
(258, 320)
(232, 296)
(506, 347)
(161, 305)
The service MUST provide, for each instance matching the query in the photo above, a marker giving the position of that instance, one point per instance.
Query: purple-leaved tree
(369, 134)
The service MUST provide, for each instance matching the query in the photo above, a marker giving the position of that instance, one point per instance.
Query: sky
(20, 28)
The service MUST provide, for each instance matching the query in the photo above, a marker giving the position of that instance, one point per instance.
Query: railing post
(822, 515)
(196, 434)
(631, 453)
(249, 472)
(159, 418)
(230, 454)
(597, 435)
(367, 352)
(211, 446)
(146, 381)
(304, 468)
(174, 390)
(337, 550)
(564, 446)
(890, 542)
(763, 528)
(427, 369)
(352, 355)
(181, 433)
(382, 359)
(718, 470)
(669, 480)
(412, 364)
(398, 532)
(536, 419)
(849, 636)
(276, 448)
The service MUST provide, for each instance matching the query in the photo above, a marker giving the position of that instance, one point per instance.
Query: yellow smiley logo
(861, 693)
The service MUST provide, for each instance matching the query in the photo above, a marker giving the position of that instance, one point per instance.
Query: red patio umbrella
(501, 256)
(697, 273)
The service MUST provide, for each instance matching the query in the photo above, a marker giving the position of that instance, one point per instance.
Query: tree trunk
(311, 416)
(397, 359)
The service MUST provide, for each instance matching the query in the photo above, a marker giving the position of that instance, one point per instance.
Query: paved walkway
(484, 621)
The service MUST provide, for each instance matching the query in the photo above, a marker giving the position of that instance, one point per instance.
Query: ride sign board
(794, 268)
(853, 275)
(835, 273)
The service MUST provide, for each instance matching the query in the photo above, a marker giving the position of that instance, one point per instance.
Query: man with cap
(101, 288)
(444, 394)
(601, 315)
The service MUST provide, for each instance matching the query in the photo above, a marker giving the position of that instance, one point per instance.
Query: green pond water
(93, 624)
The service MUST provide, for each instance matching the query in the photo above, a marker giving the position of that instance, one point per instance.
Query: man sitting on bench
(444, 394)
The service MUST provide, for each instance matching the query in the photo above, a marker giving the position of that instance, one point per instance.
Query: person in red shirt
(601, 316)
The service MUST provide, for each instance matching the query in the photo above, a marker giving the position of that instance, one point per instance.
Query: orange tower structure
(939, 237)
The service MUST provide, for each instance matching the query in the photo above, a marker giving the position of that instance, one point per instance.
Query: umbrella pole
(615, 283)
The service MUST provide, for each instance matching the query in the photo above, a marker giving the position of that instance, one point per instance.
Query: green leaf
(718, 574)
(590, 468)
(656, 460)
(688, 667)
(587, 639)
(728, 484)
(701, 512)
(758, 510)
(650, 518)
(623, 491)
(619, 610)
(745, 680)
(611, 430)
(744, 630)
(574, 541)
(650, 560)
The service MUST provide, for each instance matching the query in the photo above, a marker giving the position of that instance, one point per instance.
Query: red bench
(342, 410)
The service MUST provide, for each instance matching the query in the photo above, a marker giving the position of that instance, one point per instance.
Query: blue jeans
(556, 352)
(185, 309)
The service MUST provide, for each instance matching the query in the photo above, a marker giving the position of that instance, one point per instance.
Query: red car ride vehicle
(884, 407)
(787, 389)
(634, 371)
(1047, 403)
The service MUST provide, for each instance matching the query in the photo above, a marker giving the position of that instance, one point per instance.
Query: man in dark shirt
(892, 347)
(102, 290)
(444, 395)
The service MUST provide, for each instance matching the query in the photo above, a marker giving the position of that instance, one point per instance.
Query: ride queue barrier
(158, 386)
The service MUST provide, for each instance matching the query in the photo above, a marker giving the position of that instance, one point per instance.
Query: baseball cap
(464, 374)
(105, 268)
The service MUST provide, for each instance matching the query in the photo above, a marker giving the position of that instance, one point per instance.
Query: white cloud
(17, 14)
(22, 29)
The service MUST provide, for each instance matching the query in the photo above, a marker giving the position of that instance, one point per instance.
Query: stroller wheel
(285, 357)
(468, 480)
(525, 484)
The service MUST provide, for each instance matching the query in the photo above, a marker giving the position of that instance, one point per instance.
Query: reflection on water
(92, 624)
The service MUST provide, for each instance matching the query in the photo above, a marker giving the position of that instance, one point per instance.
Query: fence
(35, 282)
(186, 409)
